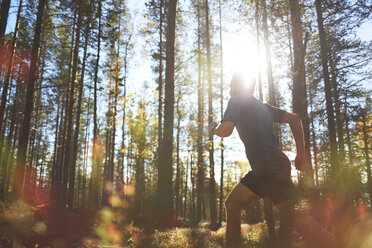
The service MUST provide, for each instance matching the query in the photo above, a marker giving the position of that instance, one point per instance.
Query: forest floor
(254, 236)
(24, 225)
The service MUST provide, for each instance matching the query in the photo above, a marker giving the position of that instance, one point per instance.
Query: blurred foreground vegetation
(23, 225)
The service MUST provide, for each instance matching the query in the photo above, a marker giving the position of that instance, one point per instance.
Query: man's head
(238, 85)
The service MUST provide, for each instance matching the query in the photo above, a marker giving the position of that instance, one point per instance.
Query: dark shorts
(279, 188)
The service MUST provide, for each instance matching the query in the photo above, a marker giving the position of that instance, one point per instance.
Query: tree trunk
(8, 74)
(106, 164)
(165, 192)
(94, 182)
(139, 185)
(177, 187)
(68, 171)
(348, 138)
(220, 216)
(186, 186)
(31, 80)
(160, 80)
(327, 89)
(6, 159)
(338, 104)
(57, 126)
(200, 166)
(4, 12)
(268, 206)
(257, 22)
(290, 49)
(35, 139)
(298, 72)
(212, 182)
(121, 170)
(56, 195)
(115, 107)
(77, 124)
(62, 178)
(299, 78)
(86, 157)
(270, 79)
(313, 140)
(85, 162)
(366, 154)
(193, 207)
(20, 105)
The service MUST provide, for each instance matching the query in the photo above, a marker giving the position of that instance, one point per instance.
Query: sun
(241, 55)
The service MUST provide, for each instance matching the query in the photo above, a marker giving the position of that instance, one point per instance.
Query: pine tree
(4, 12)
(200, 163)
(221, 196)
(165, 192)
(31, 80)
(212, 183)
(68, 171)
(95, 174)
(77, 120)
(327, 88)
(5, 92)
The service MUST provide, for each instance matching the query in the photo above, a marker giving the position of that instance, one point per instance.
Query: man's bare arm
(223, 129)
(294, 121)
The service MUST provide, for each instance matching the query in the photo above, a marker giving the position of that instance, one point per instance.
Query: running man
(271, 168)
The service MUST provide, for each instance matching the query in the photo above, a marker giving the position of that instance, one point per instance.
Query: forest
(105, 113)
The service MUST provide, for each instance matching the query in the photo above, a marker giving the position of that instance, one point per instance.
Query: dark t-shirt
(254, 122)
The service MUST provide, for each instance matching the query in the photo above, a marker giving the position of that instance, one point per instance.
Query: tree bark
(4, 12)
(56, 194)
(186, 186)
(257, 22)
(220, 216)
(313, 141)
(366, 154)
(177, 186)
(348, 138)
(338, 114)
(31, 80)
(160, 106)
(68, 172)
(165, 192)
(121, 170)
(77, 123)
(57, 127)
(6, 158)
(270, 79)
(60, 195)
(139, 185)
(200, 166)
(212, 182)
(10, 64)
(17, 121)
(298, 73)
(268, 206)
(327, 89)
(94, 182)
(192, 179)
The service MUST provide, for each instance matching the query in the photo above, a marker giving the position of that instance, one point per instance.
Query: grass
(197, 237)
(23, 225)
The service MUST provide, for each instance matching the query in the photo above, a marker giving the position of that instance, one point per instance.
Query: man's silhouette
(271, 168)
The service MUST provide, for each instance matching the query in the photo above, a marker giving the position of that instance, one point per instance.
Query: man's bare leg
(287, 215)
(240, 196)
(311, 231)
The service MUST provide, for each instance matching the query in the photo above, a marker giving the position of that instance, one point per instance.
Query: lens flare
(241, 55)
